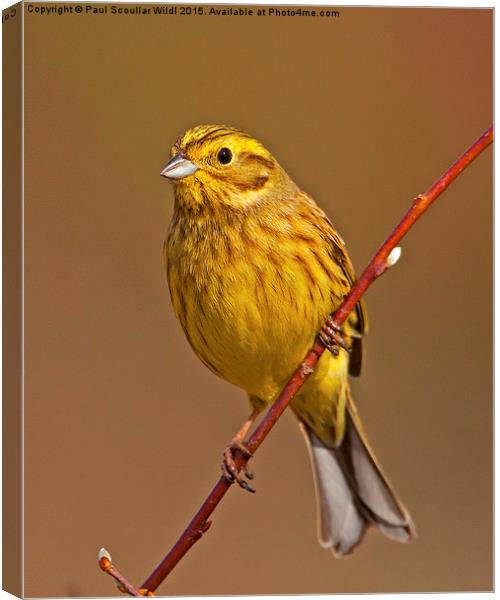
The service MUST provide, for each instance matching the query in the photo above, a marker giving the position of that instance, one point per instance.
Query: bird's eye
(224, 156)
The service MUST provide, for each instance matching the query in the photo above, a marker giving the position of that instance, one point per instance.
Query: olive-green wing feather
(358, 320)
(339, 254)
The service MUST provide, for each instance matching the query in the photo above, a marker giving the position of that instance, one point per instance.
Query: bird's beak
(178, 167)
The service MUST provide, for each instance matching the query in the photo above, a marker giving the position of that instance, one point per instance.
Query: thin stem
(123, 584)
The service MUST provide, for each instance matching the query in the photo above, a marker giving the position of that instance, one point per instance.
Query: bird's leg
(331, 336)
(228, 464)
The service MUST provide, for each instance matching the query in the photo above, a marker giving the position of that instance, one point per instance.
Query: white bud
(103, 553)
(394, 256)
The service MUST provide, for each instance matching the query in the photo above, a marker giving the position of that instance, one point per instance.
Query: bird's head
(218, 165)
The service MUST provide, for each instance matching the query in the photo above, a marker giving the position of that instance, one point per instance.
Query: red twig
(382, 260)
(108, 567)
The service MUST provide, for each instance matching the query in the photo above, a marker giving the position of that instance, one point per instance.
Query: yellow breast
(251, 299)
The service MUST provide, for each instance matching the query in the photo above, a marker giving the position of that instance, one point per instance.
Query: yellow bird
(254, 268)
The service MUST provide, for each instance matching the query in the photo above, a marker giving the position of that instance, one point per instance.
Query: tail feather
(352, 492)
(340, 524)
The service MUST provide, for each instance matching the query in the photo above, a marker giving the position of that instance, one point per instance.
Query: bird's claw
(230, 469)
(331, 335)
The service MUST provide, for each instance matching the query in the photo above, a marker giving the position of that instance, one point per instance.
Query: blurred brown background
(124, 426)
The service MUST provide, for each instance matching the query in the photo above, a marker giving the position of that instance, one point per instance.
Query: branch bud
(394, 256)
(103, 553)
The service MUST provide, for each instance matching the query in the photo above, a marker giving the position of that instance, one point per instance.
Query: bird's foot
(331, 335)
(230, 470)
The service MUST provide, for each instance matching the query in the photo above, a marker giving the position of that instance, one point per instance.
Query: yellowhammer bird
(254, 268)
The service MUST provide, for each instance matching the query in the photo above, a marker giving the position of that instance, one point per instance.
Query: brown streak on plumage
(306, 269)
(255, 185)
(211, 366)
(275, 260)
(201, 335)
(182, 309)
(212, 133)
(229, 250)
(271, 230)
(304, 238)
(323, 265)
(248, 240)
(209, 135)
(279, 276)
(259, 159)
